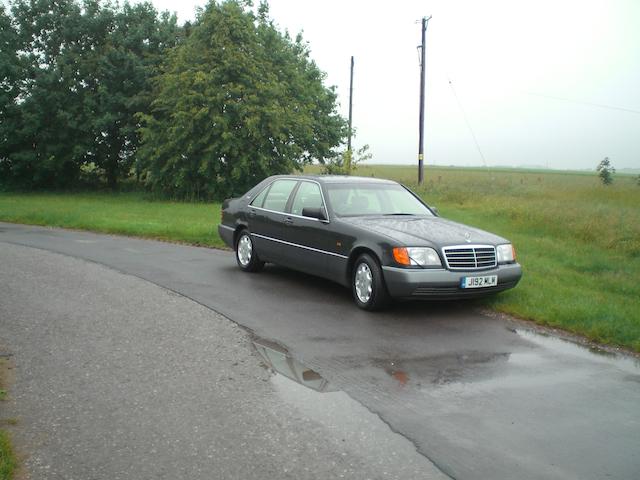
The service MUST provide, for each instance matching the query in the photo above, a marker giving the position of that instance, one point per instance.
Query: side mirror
(314, 213)
(434, 210)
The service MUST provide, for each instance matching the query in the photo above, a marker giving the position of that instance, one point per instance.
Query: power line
(466, 120)
(582, 102)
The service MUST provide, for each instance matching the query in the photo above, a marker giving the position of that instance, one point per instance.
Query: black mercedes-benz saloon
(373, 235)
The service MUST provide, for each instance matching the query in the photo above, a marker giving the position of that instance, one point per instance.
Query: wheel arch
(236, 233)
(353, 256)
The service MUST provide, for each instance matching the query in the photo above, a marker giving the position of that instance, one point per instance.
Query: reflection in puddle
(366, 446)
(548, 363)
(442, 369)
(279, 360)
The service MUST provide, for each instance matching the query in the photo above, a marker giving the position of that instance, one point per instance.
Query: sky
(509, 83)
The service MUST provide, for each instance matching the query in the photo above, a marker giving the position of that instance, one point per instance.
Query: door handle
(288, 221)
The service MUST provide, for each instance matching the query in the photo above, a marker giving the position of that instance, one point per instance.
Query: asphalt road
(480, 397)
(117, 378)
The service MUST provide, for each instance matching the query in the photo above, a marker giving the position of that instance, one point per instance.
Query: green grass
(578, 241)
(7, 457)
(126, 213)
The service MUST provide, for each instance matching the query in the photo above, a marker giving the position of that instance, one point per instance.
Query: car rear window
(259, 200)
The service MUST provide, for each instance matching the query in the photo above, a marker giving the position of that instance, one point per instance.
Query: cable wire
(582, 102)
(466, 120)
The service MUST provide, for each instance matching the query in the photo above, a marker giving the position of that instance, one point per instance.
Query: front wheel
(246, 255)
(367, 284)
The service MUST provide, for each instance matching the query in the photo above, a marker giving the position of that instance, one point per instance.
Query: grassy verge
(125, 214)
(578, 241)
(8, 461)
(7, 457)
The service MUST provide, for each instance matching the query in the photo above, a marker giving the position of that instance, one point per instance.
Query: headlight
(419, 256)
(506, 253)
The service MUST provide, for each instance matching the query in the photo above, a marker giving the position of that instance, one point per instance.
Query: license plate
(479, 282)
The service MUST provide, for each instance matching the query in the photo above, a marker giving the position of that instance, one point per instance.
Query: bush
(605, 171)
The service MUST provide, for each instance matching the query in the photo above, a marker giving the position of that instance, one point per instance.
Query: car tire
(246, 255)
(367, 284)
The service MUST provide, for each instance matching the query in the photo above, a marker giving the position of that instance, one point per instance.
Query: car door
(266, 215)
(308, 237)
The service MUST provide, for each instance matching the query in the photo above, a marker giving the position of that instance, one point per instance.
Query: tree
(131, 45)
(41, 148)
(347, 162)
(605, 171)
(236, 102)
(10, 75)
(85, 72)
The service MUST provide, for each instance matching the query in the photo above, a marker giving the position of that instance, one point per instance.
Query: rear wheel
(367, 284)
(246, 256)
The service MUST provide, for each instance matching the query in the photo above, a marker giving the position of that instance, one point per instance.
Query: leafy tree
(130, 48)
(10, 75)
(236, 102)
(48, 136)
(347, 162)
(86, 69)
(605, 171)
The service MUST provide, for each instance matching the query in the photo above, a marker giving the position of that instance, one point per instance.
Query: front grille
(470, 257)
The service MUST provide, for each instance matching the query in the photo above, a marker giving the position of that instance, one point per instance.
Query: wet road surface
(117, 378)
(478, 396)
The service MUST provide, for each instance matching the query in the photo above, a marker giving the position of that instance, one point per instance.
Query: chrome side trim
(227, 227)
(298, 245)
(290, 214)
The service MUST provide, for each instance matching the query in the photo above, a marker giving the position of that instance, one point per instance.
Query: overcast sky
(535, 79)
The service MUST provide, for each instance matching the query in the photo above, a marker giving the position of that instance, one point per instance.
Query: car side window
(307, 196)
(278, 195)
(259, 200)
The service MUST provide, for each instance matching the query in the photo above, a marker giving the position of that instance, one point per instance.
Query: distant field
(578, 241)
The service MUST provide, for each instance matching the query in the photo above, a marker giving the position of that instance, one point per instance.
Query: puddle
(278, 359)
(356, 432)
(564, 347)
(547, 364)
(441, 369)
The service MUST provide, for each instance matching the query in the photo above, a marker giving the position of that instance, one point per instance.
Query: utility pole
(422, 48)
(349, 153)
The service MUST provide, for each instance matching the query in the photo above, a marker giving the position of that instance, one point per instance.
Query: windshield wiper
(389, 214)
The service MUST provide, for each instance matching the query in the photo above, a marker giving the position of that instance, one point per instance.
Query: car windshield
(355, 199)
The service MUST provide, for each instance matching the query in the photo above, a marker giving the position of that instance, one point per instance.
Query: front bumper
(441, 284)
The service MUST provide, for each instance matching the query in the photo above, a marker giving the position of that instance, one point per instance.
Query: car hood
(420, 231)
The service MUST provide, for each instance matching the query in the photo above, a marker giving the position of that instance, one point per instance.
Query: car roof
(337, 179)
